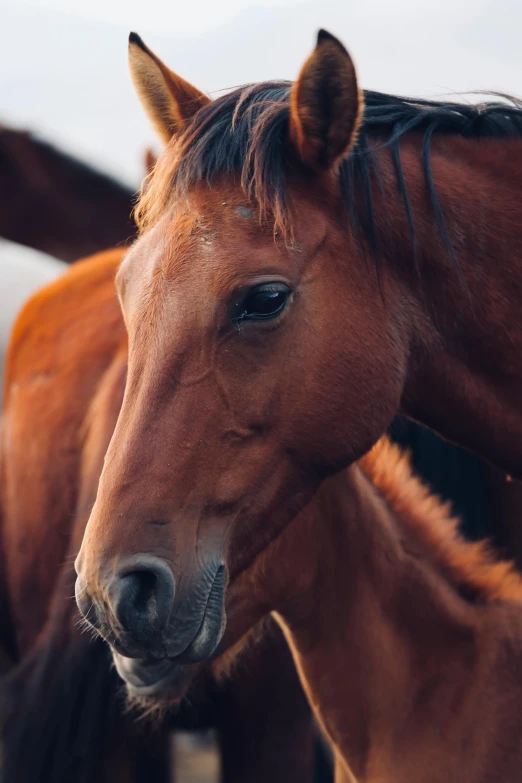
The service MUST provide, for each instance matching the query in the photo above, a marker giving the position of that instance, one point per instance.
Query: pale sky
(157, 16)
(63, 69)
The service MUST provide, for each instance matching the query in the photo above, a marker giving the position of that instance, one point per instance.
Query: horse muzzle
(139, 614)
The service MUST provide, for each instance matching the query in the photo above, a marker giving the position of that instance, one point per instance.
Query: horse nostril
(142, 598)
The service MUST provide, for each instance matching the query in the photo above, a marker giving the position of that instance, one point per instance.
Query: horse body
(402, 633)
(75, 318)
(21, 273)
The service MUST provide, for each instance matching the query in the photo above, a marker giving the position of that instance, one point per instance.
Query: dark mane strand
(244, 133)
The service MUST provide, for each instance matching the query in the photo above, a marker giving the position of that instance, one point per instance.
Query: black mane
(245, 131)
(396, 115)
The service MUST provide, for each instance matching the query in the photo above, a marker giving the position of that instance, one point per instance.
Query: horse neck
(372, 633)
(464, 375)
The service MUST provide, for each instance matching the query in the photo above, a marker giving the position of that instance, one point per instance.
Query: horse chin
(150, 681)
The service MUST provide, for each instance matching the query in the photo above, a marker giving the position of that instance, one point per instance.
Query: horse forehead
(215, 242)
(218, 232)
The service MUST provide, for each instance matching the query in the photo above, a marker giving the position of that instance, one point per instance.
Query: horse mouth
(149, 679)
(168, 676)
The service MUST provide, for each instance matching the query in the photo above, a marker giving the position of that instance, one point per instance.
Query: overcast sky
(63, 68)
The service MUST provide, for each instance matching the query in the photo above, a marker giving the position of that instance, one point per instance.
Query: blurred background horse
(53, 202)
(56, 204)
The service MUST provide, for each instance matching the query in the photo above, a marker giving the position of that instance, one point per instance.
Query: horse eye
(264, 302)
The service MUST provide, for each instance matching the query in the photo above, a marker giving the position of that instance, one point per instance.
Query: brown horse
(64, 386)
(268, 350)
(53, 202)
(408, 640)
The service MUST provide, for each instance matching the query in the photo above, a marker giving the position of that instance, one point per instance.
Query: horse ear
(169, 101)
(150, 160)
(326, 105)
